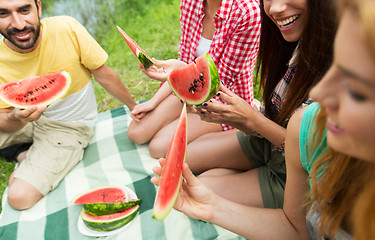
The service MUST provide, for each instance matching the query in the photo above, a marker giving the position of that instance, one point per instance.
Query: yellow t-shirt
(65, 46)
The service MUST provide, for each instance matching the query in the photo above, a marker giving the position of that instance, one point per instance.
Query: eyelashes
(357, 96)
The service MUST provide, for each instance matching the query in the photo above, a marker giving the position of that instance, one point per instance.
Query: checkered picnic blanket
(110, 159)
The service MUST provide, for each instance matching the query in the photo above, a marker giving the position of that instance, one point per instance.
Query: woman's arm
(239, 114)
(199, 202)
(142, 109)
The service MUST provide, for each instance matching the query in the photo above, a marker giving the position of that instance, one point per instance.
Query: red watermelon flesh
(197, 82)
(142, 56)
(107, 194)
(35, 91)
(171, 176)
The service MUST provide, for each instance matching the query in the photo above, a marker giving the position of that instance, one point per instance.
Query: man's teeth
(22, 34)
(287, 21)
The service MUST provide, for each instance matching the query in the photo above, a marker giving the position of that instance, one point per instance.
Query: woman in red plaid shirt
(296, 49)
(229, 31)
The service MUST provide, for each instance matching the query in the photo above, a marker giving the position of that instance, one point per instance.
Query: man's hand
(13, 119)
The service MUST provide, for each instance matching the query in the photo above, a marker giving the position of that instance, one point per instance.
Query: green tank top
(306, 137)
(307, 160)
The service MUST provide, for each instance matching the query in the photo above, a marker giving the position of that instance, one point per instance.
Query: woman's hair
(315, 57)
(344, 187)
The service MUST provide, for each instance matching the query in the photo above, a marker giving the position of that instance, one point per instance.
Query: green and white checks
(110, 159)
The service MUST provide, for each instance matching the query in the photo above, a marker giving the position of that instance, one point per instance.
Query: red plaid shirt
(235, 43)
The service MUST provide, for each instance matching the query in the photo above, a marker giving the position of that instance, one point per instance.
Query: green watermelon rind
(99, 209)
(45, 103)
(105, 226)
(145, 60)
(158, 212)
(215, 78)
(214, 83)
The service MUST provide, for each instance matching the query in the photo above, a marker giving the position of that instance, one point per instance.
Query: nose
(277, 7)
(18, 22)
(327, 91)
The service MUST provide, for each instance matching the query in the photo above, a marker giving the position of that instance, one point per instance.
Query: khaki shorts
(271, 168)
(57, 147)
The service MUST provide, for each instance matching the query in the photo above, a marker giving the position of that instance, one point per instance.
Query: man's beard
(19, 43)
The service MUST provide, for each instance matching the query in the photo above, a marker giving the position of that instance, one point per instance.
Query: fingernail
(204, 104)
(222, 82)
(210, 100)
(181, 101)
(218, 94)
(202, 112)
(199, 106)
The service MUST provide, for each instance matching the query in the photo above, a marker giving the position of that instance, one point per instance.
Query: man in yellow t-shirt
(60, 132)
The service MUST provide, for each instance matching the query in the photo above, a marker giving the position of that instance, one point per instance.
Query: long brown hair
(315, 57)
(342, 186)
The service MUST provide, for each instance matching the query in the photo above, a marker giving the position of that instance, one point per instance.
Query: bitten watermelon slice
(35, 91)
(171, 176)
(109, 222)
(143, 58)
(197, 82)
(106, 194)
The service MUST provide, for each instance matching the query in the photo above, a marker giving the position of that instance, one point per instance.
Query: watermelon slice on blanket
(171, 176)
(109, 222)
(35, 91)
(197, 82)
(107, 208)
(142, 56)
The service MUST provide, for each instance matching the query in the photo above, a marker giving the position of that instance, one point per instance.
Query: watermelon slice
(106, 194)
(99, 209)
(35, 91)
(143, 58)
(197, 82)
(171, 176)
(109, 222)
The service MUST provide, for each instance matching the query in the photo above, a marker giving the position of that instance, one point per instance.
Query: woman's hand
(140, 110)
(194, 199)
(236, 112)
(161, 69)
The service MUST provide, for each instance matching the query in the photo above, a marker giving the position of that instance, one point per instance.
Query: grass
(153, 24)
(6, 169)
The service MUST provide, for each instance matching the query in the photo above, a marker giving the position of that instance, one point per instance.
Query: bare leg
(22, 195)
(166, 112)
(195, 128)
(240, 187)
(217, 150)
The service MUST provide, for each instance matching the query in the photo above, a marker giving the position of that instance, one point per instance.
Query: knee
(157, 149)
(137, 135)
(22, 198)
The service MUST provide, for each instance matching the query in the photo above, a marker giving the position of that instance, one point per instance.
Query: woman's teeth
(285, 23)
